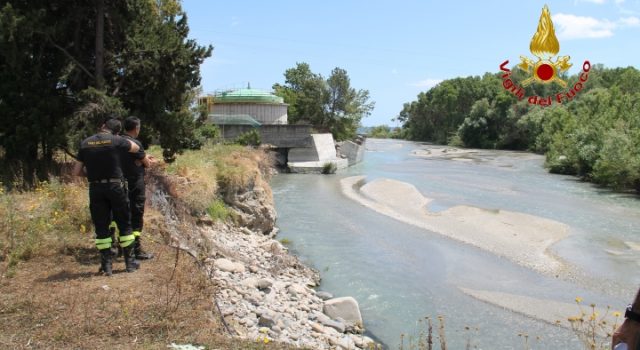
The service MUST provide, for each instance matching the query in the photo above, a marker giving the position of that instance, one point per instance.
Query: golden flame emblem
(544, 43)
(545, 46)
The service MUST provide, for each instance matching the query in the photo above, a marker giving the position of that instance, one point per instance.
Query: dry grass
(51, 296)
(594, 330)
(423, 336)
(70, 306)
(205, 175)
(43, 222)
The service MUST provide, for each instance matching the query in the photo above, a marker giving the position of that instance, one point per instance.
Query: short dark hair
(114, 125)
(131, 123)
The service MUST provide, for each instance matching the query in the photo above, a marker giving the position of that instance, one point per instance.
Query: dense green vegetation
(64, 66)
(596, 135)
(383, 132)
(329, 105)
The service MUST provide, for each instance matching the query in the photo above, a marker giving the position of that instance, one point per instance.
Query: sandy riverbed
(522, 238)
(550, 311)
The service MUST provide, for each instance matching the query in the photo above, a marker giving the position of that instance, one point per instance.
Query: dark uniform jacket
(101, 155)
(131, 170)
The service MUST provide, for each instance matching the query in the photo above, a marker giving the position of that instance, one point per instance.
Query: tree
(33, 104)
(619, 163)
(474, 130)
(160, 72)
(64, 66)
(596, 135)
(305, 92)
(331, 104)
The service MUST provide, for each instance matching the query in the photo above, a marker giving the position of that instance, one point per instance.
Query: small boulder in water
(346, 308)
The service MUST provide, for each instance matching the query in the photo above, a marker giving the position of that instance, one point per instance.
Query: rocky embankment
(263, 291)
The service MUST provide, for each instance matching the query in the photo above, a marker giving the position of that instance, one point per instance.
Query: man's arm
(78, 169)
(629, 330)
(148, 160)
(133, 147)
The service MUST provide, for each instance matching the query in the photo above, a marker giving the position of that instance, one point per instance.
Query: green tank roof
(247, 96)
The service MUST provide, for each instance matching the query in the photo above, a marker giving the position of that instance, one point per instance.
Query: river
(401, 273)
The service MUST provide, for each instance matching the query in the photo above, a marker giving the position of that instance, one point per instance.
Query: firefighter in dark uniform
(133, 166)
(99, 159)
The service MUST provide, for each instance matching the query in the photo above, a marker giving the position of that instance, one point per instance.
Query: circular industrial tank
(263, 106)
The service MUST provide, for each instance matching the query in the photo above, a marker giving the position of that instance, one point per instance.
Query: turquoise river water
(400, 273)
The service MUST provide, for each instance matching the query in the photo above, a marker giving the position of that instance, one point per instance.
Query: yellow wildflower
(617, 314)
(578, 300)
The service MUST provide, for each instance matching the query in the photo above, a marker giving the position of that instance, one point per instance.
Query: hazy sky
(397, 49)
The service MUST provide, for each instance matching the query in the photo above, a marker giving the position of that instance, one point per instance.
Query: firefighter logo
(545, 46)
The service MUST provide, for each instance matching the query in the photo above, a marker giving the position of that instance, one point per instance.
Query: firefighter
(99, 159)
(133, 166)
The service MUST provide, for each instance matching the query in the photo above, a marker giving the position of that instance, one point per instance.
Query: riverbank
(265, 293)
(220, 277)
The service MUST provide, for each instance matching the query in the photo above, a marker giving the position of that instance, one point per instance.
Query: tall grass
(213, 171)
(423, 336)
(594, 330)
(43, 222)
(218, 211)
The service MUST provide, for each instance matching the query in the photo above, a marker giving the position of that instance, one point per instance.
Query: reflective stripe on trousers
(127, 240)
(103, 243)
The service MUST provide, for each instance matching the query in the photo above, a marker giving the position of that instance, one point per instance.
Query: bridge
(278, 135)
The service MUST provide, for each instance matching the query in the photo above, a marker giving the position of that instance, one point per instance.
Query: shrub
(213, 171)
(329, 168)
(619, 164)
(218, 210)
(209, 131)
(249, 138)
(285, 241)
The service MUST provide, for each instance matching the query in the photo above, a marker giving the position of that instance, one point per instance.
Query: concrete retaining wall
(284, 136)
(352, 151)
(313, 159)
(322, 148)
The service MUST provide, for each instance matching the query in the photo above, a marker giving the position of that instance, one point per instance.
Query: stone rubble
(262, 289)
(266, 291)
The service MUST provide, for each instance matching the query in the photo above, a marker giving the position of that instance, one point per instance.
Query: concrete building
(262, 106)
(242, 110)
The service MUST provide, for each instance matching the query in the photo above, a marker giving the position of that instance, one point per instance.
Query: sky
(396, 49)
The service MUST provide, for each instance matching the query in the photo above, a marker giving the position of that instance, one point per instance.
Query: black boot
(105, 262)
(139, 253)
(129, 259)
